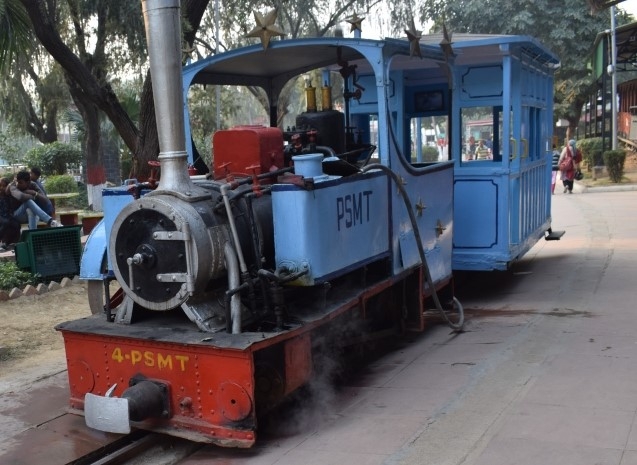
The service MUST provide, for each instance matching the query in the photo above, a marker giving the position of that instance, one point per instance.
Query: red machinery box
(238, 148)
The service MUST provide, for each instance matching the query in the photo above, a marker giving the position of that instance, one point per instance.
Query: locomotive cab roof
(282, 60)
(272, 67)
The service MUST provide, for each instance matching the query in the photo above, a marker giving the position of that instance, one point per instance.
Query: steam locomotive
(213, 294)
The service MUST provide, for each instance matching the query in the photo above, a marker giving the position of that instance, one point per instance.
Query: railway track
(136, 448)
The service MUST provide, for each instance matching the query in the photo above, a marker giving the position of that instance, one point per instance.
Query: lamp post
(612, 70)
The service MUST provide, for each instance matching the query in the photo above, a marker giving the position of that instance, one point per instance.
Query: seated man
(43, 202)
(25, 196)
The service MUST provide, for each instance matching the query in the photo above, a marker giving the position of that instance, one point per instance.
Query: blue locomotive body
(320, 230)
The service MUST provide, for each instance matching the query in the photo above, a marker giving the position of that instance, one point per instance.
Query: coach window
(481, 130)
(428, 139)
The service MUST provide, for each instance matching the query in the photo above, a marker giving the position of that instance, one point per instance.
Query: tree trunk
(148, 144)
(95, 173)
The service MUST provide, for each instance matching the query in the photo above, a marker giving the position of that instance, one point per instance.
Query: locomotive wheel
(96, 299)
(95, 291)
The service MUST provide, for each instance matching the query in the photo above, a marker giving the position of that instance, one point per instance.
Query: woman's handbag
(567, 164)
(578, 175)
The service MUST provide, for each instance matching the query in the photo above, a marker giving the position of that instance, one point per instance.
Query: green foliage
(53, 158)
(13, 145)
(566, 27)
(60, 184)
(64, 184)
(11, 276)
(14, 32)
(37, 117)
(591, 151)
(614, 161)
(81, 201)
(429, 153)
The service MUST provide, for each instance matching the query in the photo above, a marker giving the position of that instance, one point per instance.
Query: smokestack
(163, 35)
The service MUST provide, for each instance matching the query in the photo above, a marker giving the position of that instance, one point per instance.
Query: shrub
(429, 153)
(60, 184)
(614, 161)
(81, 201)
(53, 158)
(591, 151)
(11, 276)
(63, 185)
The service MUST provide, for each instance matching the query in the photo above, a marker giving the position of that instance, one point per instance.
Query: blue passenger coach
(502, 203)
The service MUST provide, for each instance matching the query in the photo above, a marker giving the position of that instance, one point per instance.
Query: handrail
(525, 152)
(514, 152)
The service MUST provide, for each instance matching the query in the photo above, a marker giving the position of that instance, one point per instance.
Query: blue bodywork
(502, 206)
(95, 264)
(320, 230)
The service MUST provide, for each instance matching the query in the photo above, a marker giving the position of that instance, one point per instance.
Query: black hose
(421, 251)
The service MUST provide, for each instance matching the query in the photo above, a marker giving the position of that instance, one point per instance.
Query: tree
(15, 32)
(567, 27)
(35, 111)
(302, 18)
(116, 22)
(53, 158)
(13, 146)
(310, 18)
(128, 93)
(18, 52)
(86, 72)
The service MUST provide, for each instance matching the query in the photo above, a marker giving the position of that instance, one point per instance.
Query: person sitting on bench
(26, 195)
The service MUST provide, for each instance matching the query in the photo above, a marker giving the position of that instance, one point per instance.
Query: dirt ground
(30, 347)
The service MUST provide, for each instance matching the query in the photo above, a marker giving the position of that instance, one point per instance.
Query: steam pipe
(325, 150)
(233, 227)
(234, 281)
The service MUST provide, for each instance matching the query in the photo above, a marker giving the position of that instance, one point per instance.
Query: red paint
(211, 390)
(240, 148)
(95, 175)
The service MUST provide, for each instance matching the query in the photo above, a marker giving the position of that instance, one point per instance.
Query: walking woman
(570, 159)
